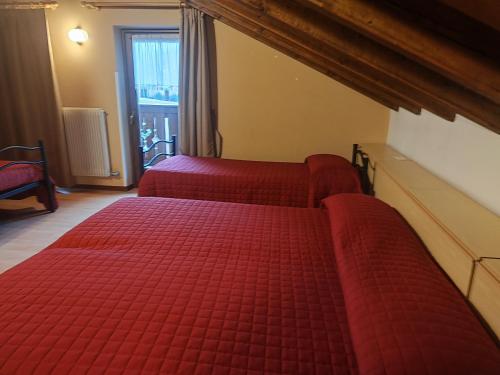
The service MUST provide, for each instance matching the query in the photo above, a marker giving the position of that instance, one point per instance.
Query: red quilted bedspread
(257, 182)
(405, 316)
(22, 174)
(152, 285)
(174, 286)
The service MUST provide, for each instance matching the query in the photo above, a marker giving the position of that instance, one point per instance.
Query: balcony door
(152, 61)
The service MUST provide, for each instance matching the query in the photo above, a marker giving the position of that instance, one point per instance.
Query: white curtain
(198, 91)
(156, 64)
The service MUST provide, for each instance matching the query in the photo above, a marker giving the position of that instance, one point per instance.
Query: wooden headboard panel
(462, 236)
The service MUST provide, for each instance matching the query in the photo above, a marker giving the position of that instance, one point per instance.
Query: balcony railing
(158, 120)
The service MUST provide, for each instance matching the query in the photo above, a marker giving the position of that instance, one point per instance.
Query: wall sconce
(78, 35)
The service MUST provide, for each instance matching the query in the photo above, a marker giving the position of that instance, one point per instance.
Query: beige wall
(271, 106)
(86, 74)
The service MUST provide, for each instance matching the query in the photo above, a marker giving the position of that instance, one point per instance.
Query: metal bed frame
(153, 160)
(366, 183)
(45, 182)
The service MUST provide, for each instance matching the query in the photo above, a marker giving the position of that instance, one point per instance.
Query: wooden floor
(25, 229)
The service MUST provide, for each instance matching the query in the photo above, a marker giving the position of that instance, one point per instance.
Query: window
(156, 68)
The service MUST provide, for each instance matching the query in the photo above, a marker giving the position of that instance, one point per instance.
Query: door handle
(131, 119)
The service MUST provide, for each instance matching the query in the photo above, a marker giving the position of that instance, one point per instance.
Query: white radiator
(87, 139)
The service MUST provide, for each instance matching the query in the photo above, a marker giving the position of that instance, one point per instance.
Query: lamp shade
(78, 35)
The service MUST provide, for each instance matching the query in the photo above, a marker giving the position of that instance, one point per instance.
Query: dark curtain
(198, 86)
(29, 105)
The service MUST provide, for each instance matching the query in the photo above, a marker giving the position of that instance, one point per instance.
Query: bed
(22, 178)
(155, 285)
(256, 182)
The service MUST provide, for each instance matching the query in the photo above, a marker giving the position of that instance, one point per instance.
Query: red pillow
(329, 175)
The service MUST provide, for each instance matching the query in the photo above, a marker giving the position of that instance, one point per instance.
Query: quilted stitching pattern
(257, 182)
(240, 181)
(153, 285)
(330, 175)
(18, 175)
(404, 316)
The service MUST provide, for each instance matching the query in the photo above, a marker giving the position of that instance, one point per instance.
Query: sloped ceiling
(443, 55)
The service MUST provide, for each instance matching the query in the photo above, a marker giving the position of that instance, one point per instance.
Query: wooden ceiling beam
(352, 50)
(351, 58)
(308, 56)
(386, 68)
(394, 30)
(463, 101)
(432, 91)
(452, 24)
(335, 60)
